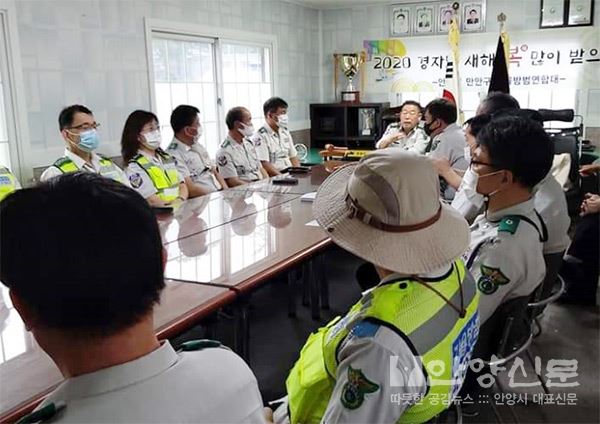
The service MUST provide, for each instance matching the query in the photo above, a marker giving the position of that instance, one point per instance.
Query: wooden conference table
(220, 247)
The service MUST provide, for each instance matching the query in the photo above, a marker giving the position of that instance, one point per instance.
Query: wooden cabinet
(342, 124)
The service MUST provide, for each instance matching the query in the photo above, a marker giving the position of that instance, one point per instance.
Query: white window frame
(219, 35)
(16, 110)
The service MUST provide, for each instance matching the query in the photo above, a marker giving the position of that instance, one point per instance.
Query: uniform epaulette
(195, 345)
(62, 161)
(395, 124)
(43, 414)
(262, 130)
(101, 156)
(225, 143)
(173, 146)
(509, 224)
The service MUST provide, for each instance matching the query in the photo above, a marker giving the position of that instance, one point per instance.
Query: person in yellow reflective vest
(8, 182)
(151, 171)
(401, 353)
(79, 130)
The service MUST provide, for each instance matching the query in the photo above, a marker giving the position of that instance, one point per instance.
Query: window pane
(176, 61)
(228, 60)
(241, 64)
(209, 97)
(208, 73)
(159, 57)
(193, 62)
(178, 94)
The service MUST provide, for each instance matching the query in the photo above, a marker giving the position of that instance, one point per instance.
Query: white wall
(93, 52)
(344, 30)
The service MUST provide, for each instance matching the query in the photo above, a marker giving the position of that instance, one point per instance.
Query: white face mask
(247, 130)
(198, 134)
(469, 186)
(283, 120)
(467, 154)
(153, 139)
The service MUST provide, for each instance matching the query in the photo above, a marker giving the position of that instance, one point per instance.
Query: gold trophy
(349, 64)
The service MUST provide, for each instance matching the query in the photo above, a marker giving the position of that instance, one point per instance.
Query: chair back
(507, 329)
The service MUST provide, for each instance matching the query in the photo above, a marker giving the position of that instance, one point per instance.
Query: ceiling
(339, 4)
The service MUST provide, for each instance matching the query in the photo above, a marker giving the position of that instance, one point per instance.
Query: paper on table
(308, 197)
(312, 223)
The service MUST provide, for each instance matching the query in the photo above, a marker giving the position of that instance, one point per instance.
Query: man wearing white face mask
(273, 142)
(194, 164)
(506, 251)
(237, 160)
(79, 131)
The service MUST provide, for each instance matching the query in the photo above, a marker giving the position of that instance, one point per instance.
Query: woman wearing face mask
(151, 172)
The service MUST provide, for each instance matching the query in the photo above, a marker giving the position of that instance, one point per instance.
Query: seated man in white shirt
(273, 142)
(506, 250)
(193, 163)
(448, 139)
(89, 304)
(405, 133)
(79, 131)
(237, 160)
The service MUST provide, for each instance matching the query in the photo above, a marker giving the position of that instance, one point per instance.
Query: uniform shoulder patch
(173, 146)
(355, 389)
(135, 180)
(509, 224)
(221, 160)
(490, 279)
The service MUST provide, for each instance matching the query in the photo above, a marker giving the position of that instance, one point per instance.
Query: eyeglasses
(476, 162)
(85, 127)
(409, 112)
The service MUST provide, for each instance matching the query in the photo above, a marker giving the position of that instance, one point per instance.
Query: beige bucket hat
(386, 209)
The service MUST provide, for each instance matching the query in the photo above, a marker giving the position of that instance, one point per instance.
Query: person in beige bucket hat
(407, 341)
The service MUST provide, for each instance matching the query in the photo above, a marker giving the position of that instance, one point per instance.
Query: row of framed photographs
(434, 17)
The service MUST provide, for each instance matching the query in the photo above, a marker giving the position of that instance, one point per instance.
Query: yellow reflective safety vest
(107, 168)
(431, 327)
(8, 182)
(165, 178)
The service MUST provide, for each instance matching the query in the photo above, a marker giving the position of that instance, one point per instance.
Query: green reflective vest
(435, 330)
(107, 168)
(165, 179)
(8, 182)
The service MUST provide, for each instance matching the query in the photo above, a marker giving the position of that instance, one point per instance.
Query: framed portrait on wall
(553, 13)
(400, 21)
(581, 12)
(473, 16)
(424, 20)
(445, 14)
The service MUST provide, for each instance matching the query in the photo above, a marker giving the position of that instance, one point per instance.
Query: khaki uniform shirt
(415, 141)
(212, 385)
(193, 161)
(505, 256)
(238, 160)
(275, 147)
